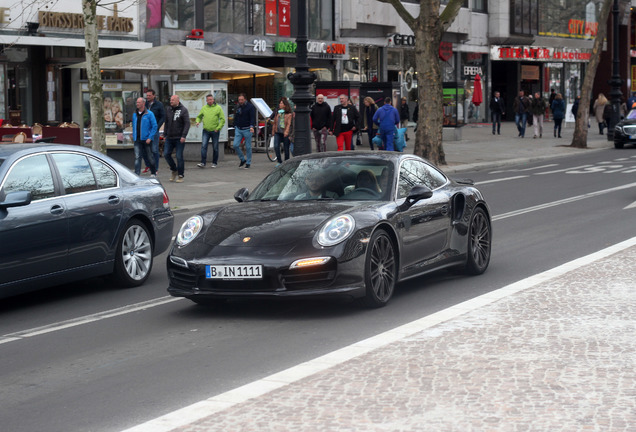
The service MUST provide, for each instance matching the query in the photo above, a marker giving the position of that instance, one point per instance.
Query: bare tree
(93, 72)
(428, 28)
(579, 139)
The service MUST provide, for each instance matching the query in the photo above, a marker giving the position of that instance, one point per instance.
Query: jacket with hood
(387, 117)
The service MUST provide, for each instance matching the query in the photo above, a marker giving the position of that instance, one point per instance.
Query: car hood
(256, 224)
(628, 122)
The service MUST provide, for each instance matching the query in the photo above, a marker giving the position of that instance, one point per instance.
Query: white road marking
(632, 205)
(49, 328)
(501, 179)
(214, 404)
(562, 170)
(523, 169)
(559, 202)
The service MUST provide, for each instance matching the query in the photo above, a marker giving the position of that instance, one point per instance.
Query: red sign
(445, 50)
(283, 18)
(270, 17)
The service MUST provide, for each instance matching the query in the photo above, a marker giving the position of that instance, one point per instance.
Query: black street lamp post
(615, 82)
(302, 80)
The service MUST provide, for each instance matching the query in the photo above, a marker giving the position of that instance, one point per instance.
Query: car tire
(134, 257)
(380, 270)
(479, 243)
(618, 145)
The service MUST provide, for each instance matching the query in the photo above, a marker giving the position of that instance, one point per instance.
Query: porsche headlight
(336, 230)
(189, 230)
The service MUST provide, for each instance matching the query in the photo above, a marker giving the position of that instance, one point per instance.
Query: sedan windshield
(338, 178)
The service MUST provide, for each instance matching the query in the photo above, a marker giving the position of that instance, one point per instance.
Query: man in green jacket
(213, 121)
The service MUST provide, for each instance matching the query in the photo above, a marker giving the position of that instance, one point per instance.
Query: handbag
(271, 142)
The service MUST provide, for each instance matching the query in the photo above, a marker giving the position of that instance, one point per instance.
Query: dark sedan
(344, 223)
(70, 213)
(625, 131)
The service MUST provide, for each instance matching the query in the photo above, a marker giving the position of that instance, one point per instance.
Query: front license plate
(234, 272)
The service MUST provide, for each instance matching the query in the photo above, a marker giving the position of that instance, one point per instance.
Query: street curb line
(215, 404)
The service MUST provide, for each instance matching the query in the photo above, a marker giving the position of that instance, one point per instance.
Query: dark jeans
(557, 127)
(496, 120)
(371, 132)
(142, 150)
(520, 121)
(278, 137)
(171, 144)
(205, 138)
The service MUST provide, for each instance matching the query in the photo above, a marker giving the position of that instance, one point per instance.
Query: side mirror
(416, 194)
(16, 199)
(241, 195)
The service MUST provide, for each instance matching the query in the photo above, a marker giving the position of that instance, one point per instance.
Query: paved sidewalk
(555, 352)
(478, 149)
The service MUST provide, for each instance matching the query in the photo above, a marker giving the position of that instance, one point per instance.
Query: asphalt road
(88, 356)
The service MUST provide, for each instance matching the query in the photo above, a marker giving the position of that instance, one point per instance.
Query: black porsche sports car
(625, 131)
(346, 223)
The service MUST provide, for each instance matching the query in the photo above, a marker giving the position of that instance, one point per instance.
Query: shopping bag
(271, 142)
(400, 141)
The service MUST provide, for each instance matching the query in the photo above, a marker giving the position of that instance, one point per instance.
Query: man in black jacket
(344, 122)
(404, 116)
(320, 120)
(175, 131)
(243, 129)
(497, 109)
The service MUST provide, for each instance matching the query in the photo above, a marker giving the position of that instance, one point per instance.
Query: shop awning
(71, 42)
(176, 59)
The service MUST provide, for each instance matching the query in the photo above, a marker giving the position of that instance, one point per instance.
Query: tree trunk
(579, 139)
(428, 137)
(95, 89)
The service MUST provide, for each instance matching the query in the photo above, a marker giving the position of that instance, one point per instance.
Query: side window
(77, 175)
(105, 176)
(30, 174)
(413, 172)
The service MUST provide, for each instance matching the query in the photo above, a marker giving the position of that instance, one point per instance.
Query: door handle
(113, 199)
(57, 209)
(444, 210)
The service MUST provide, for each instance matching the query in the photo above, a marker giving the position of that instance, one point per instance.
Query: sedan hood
(257, 224)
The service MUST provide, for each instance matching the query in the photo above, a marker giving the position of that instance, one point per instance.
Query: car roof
(7, 150)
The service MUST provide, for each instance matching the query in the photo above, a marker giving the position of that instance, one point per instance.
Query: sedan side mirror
(16, 199)
(241, 195)
(416, 194)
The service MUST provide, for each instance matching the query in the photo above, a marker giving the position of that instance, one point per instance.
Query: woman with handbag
(282, 128)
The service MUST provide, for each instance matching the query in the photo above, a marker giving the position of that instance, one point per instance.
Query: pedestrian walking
(537, 107)
(404, 116)
(282, 128)
(599, 111)
(213, 120)
(243, 130)
(388, 119)
(520, 107)
(344, 122)
(367, 119)
(558, 113)
(320, 117)
(156, 107)
(144, 127)
(176, 130)
(497, 109)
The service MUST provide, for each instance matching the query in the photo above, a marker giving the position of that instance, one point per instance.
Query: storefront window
(320, 19)
(573, 80)
(211, 13)
(176, 14)
(556, 18)
(525, 16)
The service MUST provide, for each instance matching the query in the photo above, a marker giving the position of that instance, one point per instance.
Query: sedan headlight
(618, 128)
(336, 230)
(189, 230)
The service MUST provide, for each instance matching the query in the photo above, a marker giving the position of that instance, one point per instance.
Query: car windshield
(632, 114)
(337, 178)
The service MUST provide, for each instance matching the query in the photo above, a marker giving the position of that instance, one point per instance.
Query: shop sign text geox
(528, 53)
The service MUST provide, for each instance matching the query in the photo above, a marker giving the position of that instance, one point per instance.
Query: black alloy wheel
(380, 270)
(479, 243)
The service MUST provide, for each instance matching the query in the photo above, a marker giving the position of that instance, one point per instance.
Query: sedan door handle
(444, 210)
(113, 199)
(57, 209)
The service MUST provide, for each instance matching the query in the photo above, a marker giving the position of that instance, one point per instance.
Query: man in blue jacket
(387, 118)
(144, 129)
(156, 107)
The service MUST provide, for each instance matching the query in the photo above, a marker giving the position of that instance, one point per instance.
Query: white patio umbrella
(176, 59)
